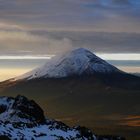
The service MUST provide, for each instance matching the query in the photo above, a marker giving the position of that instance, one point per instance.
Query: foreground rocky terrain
(23, 119)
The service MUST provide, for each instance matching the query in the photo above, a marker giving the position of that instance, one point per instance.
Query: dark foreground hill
(23, 119)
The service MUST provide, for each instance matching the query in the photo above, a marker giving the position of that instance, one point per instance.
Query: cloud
(70, 14)
(52, 26)
(98, 41)
(18, 36)
(5, 26)
(53, 42)
(17, 40)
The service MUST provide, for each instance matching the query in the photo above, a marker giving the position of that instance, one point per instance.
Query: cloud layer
(107, 15)
(52, 26)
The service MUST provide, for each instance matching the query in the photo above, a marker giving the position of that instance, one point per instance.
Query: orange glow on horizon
(129, 69)
(6, 74)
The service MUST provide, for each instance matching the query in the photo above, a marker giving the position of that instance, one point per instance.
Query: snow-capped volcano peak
(76, 62)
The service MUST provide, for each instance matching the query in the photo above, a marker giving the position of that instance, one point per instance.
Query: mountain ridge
(38, 127)
(76, 62)
(79, 63)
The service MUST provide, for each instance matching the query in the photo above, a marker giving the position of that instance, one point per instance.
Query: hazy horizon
(10, 68)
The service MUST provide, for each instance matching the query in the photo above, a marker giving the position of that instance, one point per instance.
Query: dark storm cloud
(24, 25)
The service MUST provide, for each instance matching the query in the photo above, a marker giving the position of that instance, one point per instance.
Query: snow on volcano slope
(76, 62)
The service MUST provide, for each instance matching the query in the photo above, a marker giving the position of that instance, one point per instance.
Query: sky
(38, 28)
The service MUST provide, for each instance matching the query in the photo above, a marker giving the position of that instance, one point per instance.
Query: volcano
(81, 63)
(74, 63)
